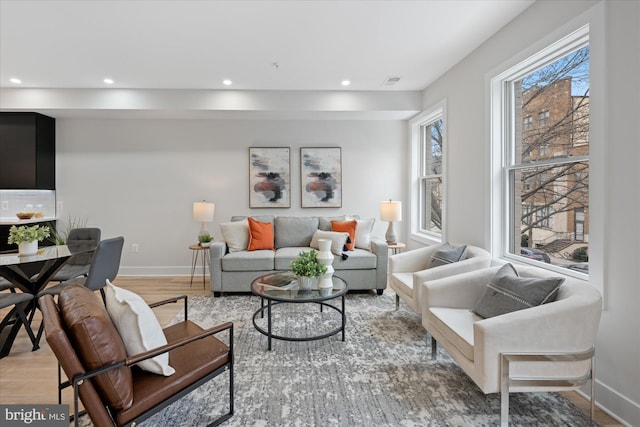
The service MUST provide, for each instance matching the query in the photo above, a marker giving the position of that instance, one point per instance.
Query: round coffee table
(295, 295)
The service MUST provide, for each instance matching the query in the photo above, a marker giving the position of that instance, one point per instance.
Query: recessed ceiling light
(346, 82)
(15, 81)
(227, 82)
(108, 81)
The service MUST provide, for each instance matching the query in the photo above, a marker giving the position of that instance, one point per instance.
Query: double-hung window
(541, 166)
(428, 155)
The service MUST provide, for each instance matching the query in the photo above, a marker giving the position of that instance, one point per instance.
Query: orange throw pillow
(346, 227)
(260, 235)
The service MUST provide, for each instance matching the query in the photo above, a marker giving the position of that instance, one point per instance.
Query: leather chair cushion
(191, 362)
(97, 342)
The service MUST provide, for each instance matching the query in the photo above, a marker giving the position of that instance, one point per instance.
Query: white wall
(615, 44)
(139, 178)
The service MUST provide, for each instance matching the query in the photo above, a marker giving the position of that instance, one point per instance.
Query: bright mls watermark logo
(34, 415)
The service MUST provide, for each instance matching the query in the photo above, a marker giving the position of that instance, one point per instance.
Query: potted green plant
(27, 237)
(205, 240)
(308, 268)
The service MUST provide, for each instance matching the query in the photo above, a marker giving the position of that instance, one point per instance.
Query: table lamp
(391, 211)
(203, 213)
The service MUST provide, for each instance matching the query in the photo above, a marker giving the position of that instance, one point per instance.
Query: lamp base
(391, 236)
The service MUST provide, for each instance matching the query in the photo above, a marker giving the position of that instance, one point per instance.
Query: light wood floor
(28, 377)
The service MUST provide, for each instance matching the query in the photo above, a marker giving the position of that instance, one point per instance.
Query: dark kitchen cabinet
(27, 151)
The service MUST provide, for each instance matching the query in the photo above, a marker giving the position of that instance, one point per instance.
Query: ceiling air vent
(390, 81)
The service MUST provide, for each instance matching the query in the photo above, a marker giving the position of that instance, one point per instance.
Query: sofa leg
(397, 302)
(217, 294)
(379, 291)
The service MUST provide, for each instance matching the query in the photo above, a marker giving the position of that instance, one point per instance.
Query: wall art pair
(270, 177)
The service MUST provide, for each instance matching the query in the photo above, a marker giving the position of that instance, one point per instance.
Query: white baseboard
(616, 405)
(161, 271)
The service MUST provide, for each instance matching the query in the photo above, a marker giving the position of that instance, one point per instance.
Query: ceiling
(259, 45)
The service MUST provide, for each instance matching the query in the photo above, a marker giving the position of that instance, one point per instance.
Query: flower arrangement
(25, 234)
(308, 265)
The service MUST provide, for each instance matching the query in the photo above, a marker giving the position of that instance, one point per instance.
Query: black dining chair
(104, 266)
(79, 239)
(16, 299)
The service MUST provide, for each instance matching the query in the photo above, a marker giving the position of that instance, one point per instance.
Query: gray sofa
(233, 271)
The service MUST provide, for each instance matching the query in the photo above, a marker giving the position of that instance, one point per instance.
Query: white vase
(307, 282)
(28, 248)
(326, 257)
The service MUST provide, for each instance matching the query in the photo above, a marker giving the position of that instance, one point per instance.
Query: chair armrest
(168, 301)
(184, 341)
(413, 260)
(568, 325)
(174, 300)
(129, 361)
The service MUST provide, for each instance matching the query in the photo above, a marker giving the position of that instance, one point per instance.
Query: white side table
(196, 251)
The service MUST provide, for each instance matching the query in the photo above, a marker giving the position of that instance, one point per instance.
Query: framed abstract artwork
(269, 177)
(321, 177)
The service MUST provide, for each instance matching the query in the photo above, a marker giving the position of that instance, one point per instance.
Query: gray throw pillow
(447, 254)
(508, 292)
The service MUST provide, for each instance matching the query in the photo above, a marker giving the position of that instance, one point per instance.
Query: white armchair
(542, 348)
(409, 270)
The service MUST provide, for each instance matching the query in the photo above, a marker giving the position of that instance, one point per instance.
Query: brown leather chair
(113, 391)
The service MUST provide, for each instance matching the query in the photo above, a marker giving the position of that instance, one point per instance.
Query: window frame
(437, 112)
(502, 126)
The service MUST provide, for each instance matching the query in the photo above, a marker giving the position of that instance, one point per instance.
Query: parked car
(582, 267)
(536, 254)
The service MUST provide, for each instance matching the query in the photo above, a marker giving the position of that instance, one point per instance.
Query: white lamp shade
(390, 210)
(203, 211)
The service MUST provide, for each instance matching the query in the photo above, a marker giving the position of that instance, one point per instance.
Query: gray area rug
(382, 375)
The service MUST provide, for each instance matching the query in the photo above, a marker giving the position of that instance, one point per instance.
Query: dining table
(31, 274)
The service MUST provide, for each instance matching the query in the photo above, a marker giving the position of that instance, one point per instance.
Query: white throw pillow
(236, 234)
(337, 238)
(138, 327)
(364, 227)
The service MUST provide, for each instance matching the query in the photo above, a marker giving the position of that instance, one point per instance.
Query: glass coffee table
(295, 295)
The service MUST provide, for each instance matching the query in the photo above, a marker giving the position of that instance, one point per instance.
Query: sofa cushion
(261, 218)
(248, 261)
(508, 292)
(260, 235)
(358, 259)
(97, 342)
(403, 281)
(456, 324)
(324, 222)
(447, 254)
(138, 327)
(236, 235)
(284, 256)
(364, 228)
(338, 240)
(294, 231)
(346, 227)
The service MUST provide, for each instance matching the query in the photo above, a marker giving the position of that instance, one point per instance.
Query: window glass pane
(431, 195)
(550, 210)
(432, 148)
(558, 96)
